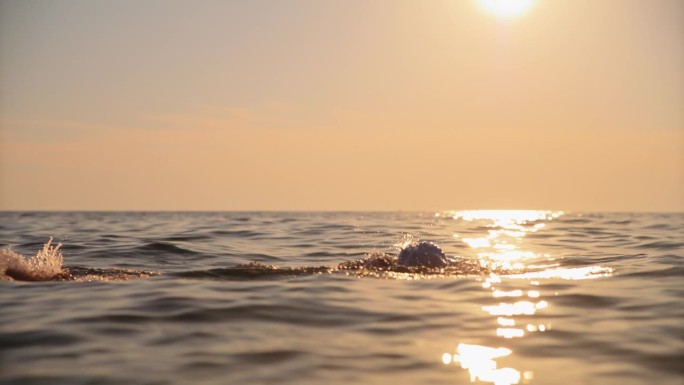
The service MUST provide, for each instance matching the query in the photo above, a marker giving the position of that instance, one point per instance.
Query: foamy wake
(45, 265)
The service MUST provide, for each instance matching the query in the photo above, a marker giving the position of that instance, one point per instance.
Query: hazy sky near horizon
(341, 105)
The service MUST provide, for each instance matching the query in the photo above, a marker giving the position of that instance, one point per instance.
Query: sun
(507, 8)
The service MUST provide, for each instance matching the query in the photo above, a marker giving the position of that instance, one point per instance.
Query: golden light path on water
(502, 247)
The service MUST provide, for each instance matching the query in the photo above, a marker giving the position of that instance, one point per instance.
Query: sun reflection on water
(502, 247)
(480, 362)
(577, 273)
(501, 217)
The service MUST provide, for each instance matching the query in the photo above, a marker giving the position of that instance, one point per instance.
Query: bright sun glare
(506, 8)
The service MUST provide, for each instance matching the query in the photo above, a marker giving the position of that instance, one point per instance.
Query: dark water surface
(554, 299)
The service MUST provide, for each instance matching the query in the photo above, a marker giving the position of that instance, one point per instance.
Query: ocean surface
(530, 297)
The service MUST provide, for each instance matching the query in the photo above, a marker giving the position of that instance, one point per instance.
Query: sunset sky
(341, 105)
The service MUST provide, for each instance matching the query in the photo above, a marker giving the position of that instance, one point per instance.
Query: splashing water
(45, 265)
(405, 241)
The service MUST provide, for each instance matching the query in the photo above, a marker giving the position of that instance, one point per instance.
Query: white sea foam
(46, 264)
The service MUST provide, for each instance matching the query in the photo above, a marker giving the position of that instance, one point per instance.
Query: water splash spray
(45, 265)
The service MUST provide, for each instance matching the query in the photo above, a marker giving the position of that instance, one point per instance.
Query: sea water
(532, 297)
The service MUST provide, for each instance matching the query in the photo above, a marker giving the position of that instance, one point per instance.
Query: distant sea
(530, 297)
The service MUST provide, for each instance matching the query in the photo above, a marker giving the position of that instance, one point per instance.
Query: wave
(155, 247)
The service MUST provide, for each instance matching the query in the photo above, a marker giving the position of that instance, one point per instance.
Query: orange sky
(341, 105)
